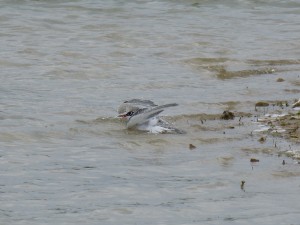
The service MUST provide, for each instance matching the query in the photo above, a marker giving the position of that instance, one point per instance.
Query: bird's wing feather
(140, 102)
(145, 115)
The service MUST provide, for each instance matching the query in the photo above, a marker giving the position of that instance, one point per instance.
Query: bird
(143, 115)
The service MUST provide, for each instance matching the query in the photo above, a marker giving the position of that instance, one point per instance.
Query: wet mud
(268, 122)
(226, 68)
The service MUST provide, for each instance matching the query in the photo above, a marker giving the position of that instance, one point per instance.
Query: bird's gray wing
(141, 103)
(144, 115)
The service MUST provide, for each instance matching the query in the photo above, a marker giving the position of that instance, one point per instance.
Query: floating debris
(262, 139)
(296, 104)
(254, 160)
(243, 185)
(280, 80)
(283, 125)
(281, 104)
(227, 115)
(262, 128)
(191, 146)
(262, 104)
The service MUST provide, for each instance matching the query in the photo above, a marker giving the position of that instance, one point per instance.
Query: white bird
(143, 115)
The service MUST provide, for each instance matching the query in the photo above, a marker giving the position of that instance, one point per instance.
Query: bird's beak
(122, 116)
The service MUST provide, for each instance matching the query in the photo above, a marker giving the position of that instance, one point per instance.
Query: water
(67, 65)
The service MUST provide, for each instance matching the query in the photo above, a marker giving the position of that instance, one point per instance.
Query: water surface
(67, 65)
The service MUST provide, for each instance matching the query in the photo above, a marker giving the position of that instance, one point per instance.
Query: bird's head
(126, 111)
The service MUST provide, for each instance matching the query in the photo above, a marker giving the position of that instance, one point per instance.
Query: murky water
(67, 65)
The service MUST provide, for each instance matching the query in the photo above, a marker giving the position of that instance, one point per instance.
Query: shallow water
(67, 65)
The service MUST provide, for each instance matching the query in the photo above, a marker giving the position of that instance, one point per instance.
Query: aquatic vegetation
(221, 67)
(279, 62)
(226, 74)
